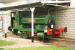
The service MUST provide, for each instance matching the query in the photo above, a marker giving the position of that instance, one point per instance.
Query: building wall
(66, 18)
(4, 21)
(72, 3)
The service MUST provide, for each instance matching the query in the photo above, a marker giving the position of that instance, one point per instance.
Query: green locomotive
(21, 23)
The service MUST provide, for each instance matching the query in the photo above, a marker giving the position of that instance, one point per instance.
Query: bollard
(5, 35)
(32, 39)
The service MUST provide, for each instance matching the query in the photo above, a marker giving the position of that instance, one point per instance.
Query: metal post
(32, 18)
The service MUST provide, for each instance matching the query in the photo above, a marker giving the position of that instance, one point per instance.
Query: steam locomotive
(44, 24)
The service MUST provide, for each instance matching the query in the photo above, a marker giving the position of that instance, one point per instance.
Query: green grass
(5, 43)
(41, 48)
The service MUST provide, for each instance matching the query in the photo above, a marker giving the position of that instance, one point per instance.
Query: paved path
(21, 43)
(68, 43)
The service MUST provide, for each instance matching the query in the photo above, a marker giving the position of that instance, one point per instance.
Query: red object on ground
(49, 32)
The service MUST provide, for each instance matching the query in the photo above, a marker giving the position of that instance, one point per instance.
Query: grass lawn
(41, 48)
(5, 43)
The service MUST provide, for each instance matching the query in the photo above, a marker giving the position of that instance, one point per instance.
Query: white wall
(66, 18)
(6, 20)
(1, 19)
(72, 3)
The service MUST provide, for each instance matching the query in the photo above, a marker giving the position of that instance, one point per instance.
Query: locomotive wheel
(24, 35)
(45, 37)
(15, 31)
(10, 28)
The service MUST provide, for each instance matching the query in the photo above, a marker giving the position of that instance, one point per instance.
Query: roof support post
(32, 23)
